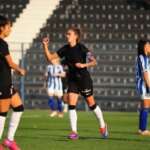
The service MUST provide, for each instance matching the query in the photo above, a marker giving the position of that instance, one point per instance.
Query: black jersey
(73, 55)
(5, 70)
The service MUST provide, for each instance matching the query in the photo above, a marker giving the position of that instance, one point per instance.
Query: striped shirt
(142, 65)
(54, 82)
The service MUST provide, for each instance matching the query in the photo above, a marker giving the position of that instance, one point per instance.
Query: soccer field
(38, 131)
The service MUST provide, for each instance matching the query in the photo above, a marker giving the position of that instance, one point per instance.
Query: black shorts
(7, 92)
(65, 85)
(83, 86)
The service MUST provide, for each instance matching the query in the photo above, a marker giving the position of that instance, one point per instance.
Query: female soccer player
(54, 87)
(9, 97)
(143, 83)
(79, 80)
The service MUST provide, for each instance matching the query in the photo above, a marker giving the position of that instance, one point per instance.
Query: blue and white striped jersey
(54, 81)
(142, 65)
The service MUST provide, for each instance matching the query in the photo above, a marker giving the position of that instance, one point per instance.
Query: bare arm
(92, 63)
(14, 66)
(147, 78)
(49, 55)
(62, 74)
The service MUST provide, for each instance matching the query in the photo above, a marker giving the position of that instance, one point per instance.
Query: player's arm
(91, 61)
(61, 74)
(145, 69)
(49, 54)
(147, 78)
(14, 66)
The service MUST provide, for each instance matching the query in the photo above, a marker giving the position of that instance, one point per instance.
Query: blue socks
(51, 103)
(59, 104)
(143, 119)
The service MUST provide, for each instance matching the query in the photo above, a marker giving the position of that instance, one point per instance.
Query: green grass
(38, 131)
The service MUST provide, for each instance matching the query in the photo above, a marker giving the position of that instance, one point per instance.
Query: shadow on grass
(64, 138)
(41, 129)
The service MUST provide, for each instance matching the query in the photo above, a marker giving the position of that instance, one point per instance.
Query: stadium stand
(111, 28)
(12, 8)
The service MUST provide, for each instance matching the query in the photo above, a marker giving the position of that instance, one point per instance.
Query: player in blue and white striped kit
(143, 83)
(54, 87)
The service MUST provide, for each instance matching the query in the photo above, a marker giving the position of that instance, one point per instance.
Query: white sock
(13, 125)
(73, 120)
(2, 124)
(65, 107)
(97, 111)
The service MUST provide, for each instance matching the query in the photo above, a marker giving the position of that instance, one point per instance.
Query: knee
(93, 107)
(18, 109)
(3, 114)
(72, 107)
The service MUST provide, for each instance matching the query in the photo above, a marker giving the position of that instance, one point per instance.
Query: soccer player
(79, 80)
(54, 87)
(9, 97)
(143, 83)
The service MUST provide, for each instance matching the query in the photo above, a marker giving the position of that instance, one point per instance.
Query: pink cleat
(73, 136)
(104, 132)
(11, 145)
(1, 147)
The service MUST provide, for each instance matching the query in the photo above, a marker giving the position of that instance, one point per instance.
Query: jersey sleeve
(4, 49)
(90, 56)
(62, 51)
(144, 63)
(88, 53)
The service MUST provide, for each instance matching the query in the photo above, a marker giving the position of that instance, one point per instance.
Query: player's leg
(73, 95)
(65, 100)
(51, 102)
(59, 94)
(4, 107)
(18, 108)
(73, 98)
(99, 115)
(5, 101)
(87, 91)
(143, 117)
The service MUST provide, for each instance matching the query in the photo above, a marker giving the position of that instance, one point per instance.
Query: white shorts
(53, 92)
(145, 96)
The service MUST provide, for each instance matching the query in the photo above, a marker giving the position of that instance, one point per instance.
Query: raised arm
(49, 54)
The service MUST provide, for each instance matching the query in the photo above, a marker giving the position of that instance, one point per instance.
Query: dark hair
(4, 21)
(141, 45)
(77, 31)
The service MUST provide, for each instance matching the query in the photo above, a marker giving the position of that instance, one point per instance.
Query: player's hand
(45, 41)
(22, 72)
(80, 65)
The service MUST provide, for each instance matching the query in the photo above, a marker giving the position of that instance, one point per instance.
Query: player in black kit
(9, 97)
(79, 80)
